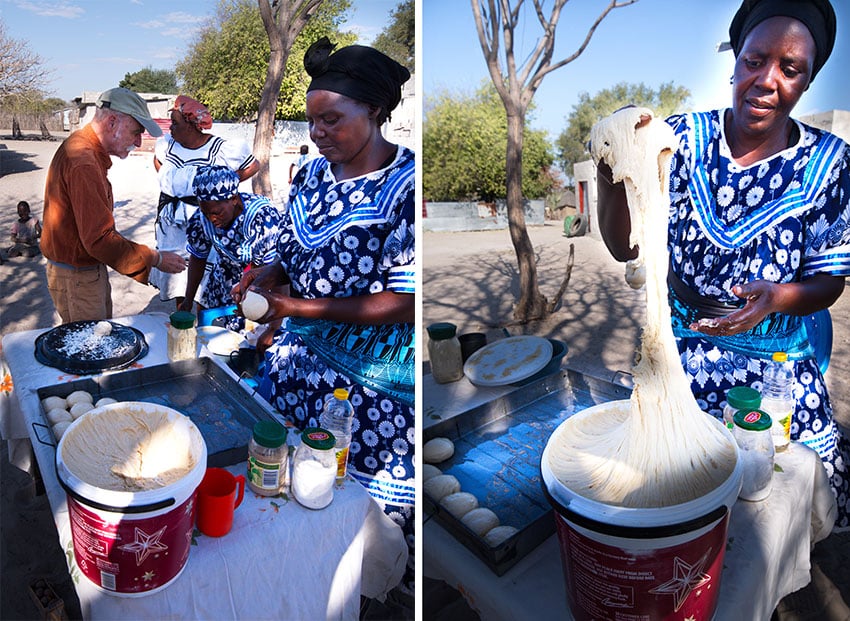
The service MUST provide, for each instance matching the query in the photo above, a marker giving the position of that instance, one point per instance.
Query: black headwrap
(817, 15)
(357, 71)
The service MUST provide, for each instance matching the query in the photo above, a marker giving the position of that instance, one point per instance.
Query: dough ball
(57, 415)
(104, 401)
(459, 503)
(60, 428)
(78, 409)
(53, 403)
(78, 396)
(440, 486)
(499, 534)
(480, 521)
(102, 328)
(437, 450)
(429, 472)
(635, 273)
(254, 305)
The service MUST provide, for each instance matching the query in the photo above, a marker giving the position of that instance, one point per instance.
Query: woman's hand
(764, 297)
(266, 278)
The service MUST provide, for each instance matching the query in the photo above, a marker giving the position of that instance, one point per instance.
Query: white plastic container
(112, 530)
(611, 549)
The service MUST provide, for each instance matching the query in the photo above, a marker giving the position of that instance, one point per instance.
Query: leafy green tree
(149, 80)
(464, 142)
(225, 67)
(398, 39)
(572, 141)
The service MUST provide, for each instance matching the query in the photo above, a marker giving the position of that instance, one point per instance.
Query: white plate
(508, 360)
(220, 341)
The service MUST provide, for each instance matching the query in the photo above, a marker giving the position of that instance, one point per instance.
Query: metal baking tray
(222, 409)
(498, 446)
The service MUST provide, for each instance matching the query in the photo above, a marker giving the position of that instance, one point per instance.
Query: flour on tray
(86, 344)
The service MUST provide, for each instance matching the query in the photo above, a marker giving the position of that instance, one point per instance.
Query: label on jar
(263, 475)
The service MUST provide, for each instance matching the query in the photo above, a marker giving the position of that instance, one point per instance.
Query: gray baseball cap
(126, 101)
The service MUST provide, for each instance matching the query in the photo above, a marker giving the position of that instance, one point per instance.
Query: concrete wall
(835, 121)
(477, 216)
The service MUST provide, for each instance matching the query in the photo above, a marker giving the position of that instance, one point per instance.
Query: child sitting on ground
(25, 233)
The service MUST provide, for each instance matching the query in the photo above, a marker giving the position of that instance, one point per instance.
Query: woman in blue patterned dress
(347, 255)
(241, 228)
(759, 235)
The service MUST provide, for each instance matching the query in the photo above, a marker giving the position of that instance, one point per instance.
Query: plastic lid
(780, 356)
(752, 420)
(341, 394)
(182, 319)
(318, 438)
(269, 433)
(442, 330)
(743, 398)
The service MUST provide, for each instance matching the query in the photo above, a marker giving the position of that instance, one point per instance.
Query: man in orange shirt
(79, 238)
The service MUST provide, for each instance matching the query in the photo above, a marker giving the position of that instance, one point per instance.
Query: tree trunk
(264, 132)
(531, 303)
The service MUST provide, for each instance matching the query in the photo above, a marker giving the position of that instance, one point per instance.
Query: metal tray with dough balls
(77, 348)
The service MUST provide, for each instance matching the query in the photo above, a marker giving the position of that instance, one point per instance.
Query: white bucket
(135, 543)
(653, 563)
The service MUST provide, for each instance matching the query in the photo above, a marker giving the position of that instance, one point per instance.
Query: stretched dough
(660, 448)
(102, 328)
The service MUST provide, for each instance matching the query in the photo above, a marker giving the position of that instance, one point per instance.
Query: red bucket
(131, 543)
(627, 563)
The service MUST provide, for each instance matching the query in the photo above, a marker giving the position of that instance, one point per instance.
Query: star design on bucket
(148, 576)
(145, 544)
(686, 578)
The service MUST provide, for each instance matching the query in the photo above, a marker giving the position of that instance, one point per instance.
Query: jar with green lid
(740, 398)
(314, 468)
(268, 459)
(444, 353)
(755, 453)
(182, 336)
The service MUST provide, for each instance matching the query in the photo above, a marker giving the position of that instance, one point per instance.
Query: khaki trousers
(80, 294)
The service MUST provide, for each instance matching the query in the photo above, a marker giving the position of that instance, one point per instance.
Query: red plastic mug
(219, 493)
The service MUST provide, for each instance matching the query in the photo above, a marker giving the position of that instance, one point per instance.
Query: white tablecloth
(767, 555)
(280, 561)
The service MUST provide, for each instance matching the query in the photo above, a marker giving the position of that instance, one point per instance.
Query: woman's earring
(732, 80)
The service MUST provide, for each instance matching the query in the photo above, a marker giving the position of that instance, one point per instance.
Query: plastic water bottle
(777, 398)
(337, 418)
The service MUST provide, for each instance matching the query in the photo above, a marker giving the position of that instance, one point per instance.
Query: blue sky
(651, 41)
(91, 44)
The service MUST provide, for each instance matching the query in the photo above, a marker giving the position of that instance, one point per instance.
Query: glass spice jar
(755, 450)
(182, 336)
(740, 398)
(314, 468)
(268, 459)
(444, 353)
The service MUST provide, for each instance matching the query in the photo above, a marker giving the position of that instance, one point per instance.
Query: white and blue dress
(782, 219)
(341, 239)
(251, 239)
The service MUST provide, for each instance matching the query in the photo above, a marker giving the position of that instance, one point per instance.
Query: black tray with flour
(498, 446)
(222, 409)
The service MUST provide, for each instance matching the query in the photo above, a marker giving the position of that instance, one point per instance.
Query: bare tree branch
(22, 71)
